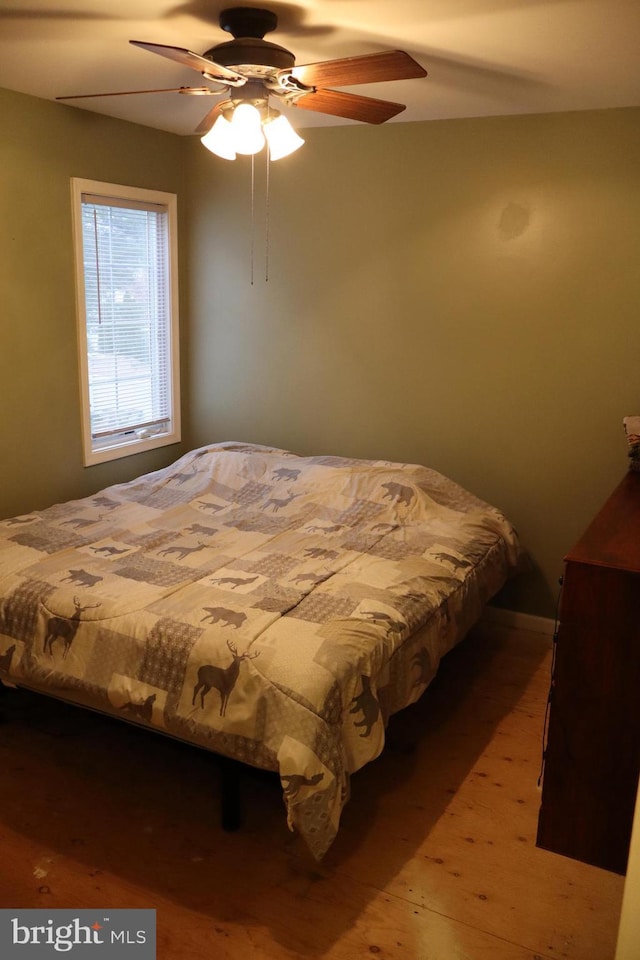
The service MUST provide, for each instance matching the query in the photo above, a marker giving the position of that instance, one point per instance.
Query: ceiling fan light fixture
(250, 69)
(281, 137)
(246, 126)
(221, 139)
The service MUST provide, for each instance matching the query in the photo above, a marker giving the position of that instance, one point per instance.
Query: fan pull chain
(266, 219)
(267, 210)
(253, 210)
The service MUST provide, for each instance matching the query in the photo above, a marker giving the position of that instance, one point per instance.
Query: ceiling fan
(251, 71)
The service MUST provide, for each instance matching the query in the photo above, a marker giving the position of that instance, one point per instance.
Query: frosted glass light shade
(281, 137)
(247, 129)
(220, 139)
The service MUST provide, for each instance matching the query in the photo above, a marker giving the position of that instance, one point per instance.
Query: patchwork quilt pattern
(270, 607)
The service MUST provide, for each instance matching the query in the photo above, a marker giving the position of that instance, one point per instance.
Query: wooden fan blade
(207, 68)
(370, 68)
(198, 91)
(207, 122)
(350, 105)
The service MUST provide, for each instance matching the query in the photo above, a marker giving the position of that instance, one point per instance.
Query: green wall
(42, 146)
(458, 293)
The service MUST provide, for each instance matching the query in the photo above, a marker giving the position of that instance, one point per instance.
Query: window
(127, 291)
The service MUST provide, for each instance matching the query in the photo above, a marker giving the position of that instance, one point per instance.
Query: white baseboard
(519, 621)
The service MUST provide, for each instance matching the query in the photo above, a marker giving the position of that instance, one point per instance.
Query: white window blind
(128, 342)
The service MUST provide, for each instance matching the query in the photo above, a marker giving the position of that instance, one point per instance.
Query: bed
(272, 608)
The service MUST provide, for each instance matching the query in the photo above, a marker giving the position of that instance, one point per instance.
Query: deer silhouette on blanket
(185, 475)
(142, 710)
(222, 678)
(233, 582)
(181, 551)
(65, 628)
(366, 704)
(110, 551)
(278, 502)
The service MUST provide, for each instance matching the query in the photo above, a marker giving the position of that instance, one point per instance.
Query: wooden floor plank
(329, 916)
(435, 859)
(470, 843)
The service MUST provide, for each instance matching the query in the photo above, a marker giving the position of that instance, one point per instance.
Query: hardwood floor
(435, 860)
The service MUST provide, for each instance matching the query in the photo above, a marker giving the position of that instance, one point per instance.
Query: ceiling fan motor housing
(248, 26)
(249, 51)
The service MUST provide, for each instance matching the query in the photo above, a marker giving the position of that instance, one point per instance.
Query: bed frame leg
(230, 794)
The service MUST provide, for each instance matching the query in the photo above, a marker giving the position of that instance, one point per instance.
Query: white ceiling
(483, 57)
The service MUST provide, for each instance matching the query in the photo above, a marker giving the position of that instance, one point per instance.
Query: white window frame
(99, 450)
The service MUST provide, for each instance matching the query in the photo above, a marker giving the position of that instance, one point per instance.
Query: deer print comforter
(270, 607)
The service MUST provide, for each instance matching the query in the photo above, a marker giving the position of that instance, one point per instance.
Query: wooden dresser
(592, 755)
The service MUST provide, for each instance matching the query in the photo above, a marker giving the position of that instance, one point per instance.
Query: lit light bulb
(247, 129)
